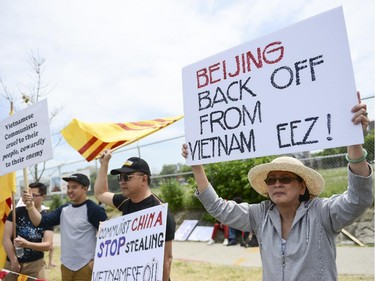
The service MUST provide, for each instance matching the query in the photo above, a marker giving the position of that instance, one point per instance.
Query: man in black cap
(134, 178)
(80, 216)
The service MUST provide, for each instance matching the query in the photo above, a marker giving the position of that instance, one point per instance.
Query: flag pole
(25, 179)
(13, 193)
(139, 150)
(14, 215)
(26, 182)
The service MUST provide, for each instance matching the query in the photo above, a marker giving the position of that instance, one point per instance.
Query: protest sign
(289, 91)
(184, 230)
(131, 247)
(201, 233)
(25, 138)
(55, 185)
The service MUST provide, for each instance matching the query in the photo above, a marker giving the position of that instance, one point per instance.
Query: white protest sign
(25, 138)
(55, 185)
(131, 247)
(184, 230)
(289, 91)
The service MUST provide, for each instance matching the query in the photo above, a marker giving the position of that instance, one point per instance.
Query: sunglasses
(125, 177)
(283, 180)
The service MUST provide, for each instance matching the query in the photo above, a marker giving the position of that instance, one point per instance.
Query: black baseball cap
(133, 164)
(80, 178)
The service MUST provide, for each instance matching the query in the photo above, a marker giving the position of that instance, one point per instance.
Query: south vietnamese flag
(7, 188)
(89, 139)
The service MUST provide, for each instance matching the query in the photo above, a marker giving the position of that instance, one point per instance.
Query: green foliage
(174, 169)
(230, 179)
(56, 202)
(172, 193)
(331, 151)
(190, 200)
(336, 181)
(208, 218)
(113, 184)
(168, 169)
(184, 168)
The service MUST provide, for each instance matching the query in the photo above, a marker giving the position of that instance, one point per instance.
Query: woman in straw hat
(296, 230)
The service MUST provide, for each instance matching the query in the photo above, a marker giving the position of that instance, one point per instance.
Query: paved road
(350, 259)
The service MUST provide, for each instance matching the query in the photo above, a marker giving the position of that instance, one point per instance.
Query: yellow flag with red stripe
(22, 277)
(8, 181)
(90, 139)
(5, 207)
(7, 186)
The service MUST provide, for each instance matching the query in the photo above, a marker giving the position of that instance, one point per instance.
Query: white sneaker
(225, 243)
(210, 242)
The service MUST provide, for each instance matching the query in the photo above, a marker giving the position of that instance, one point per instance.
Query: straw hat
(314, 181)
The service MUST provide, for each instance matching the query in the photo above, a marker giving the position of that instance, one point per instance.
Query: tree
(168, 169)
(31, 94)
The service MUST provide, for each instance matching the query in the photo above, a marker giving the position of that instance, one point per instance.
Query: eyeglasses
(283, 180)
(36, 195)
(125, 177)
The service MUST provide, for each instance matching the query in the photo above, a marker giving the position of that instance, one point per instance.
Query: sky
(121, 61)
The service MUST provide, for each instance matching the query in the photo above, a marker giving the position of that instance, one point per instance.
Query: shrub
(230, 179)
(172, 193)
(191, 201)
(55, 202)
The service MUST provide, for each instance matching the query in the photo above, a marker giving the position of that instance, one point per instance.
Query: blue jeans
(232, 234)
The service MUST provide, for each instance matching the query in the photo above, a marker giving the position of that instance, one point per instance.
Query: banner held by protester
(25, 138)
(131, 247)
(289, 91)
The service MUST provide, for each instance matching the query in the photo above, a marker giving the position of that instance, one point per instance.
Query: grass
(336, 181)
(187, 271)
